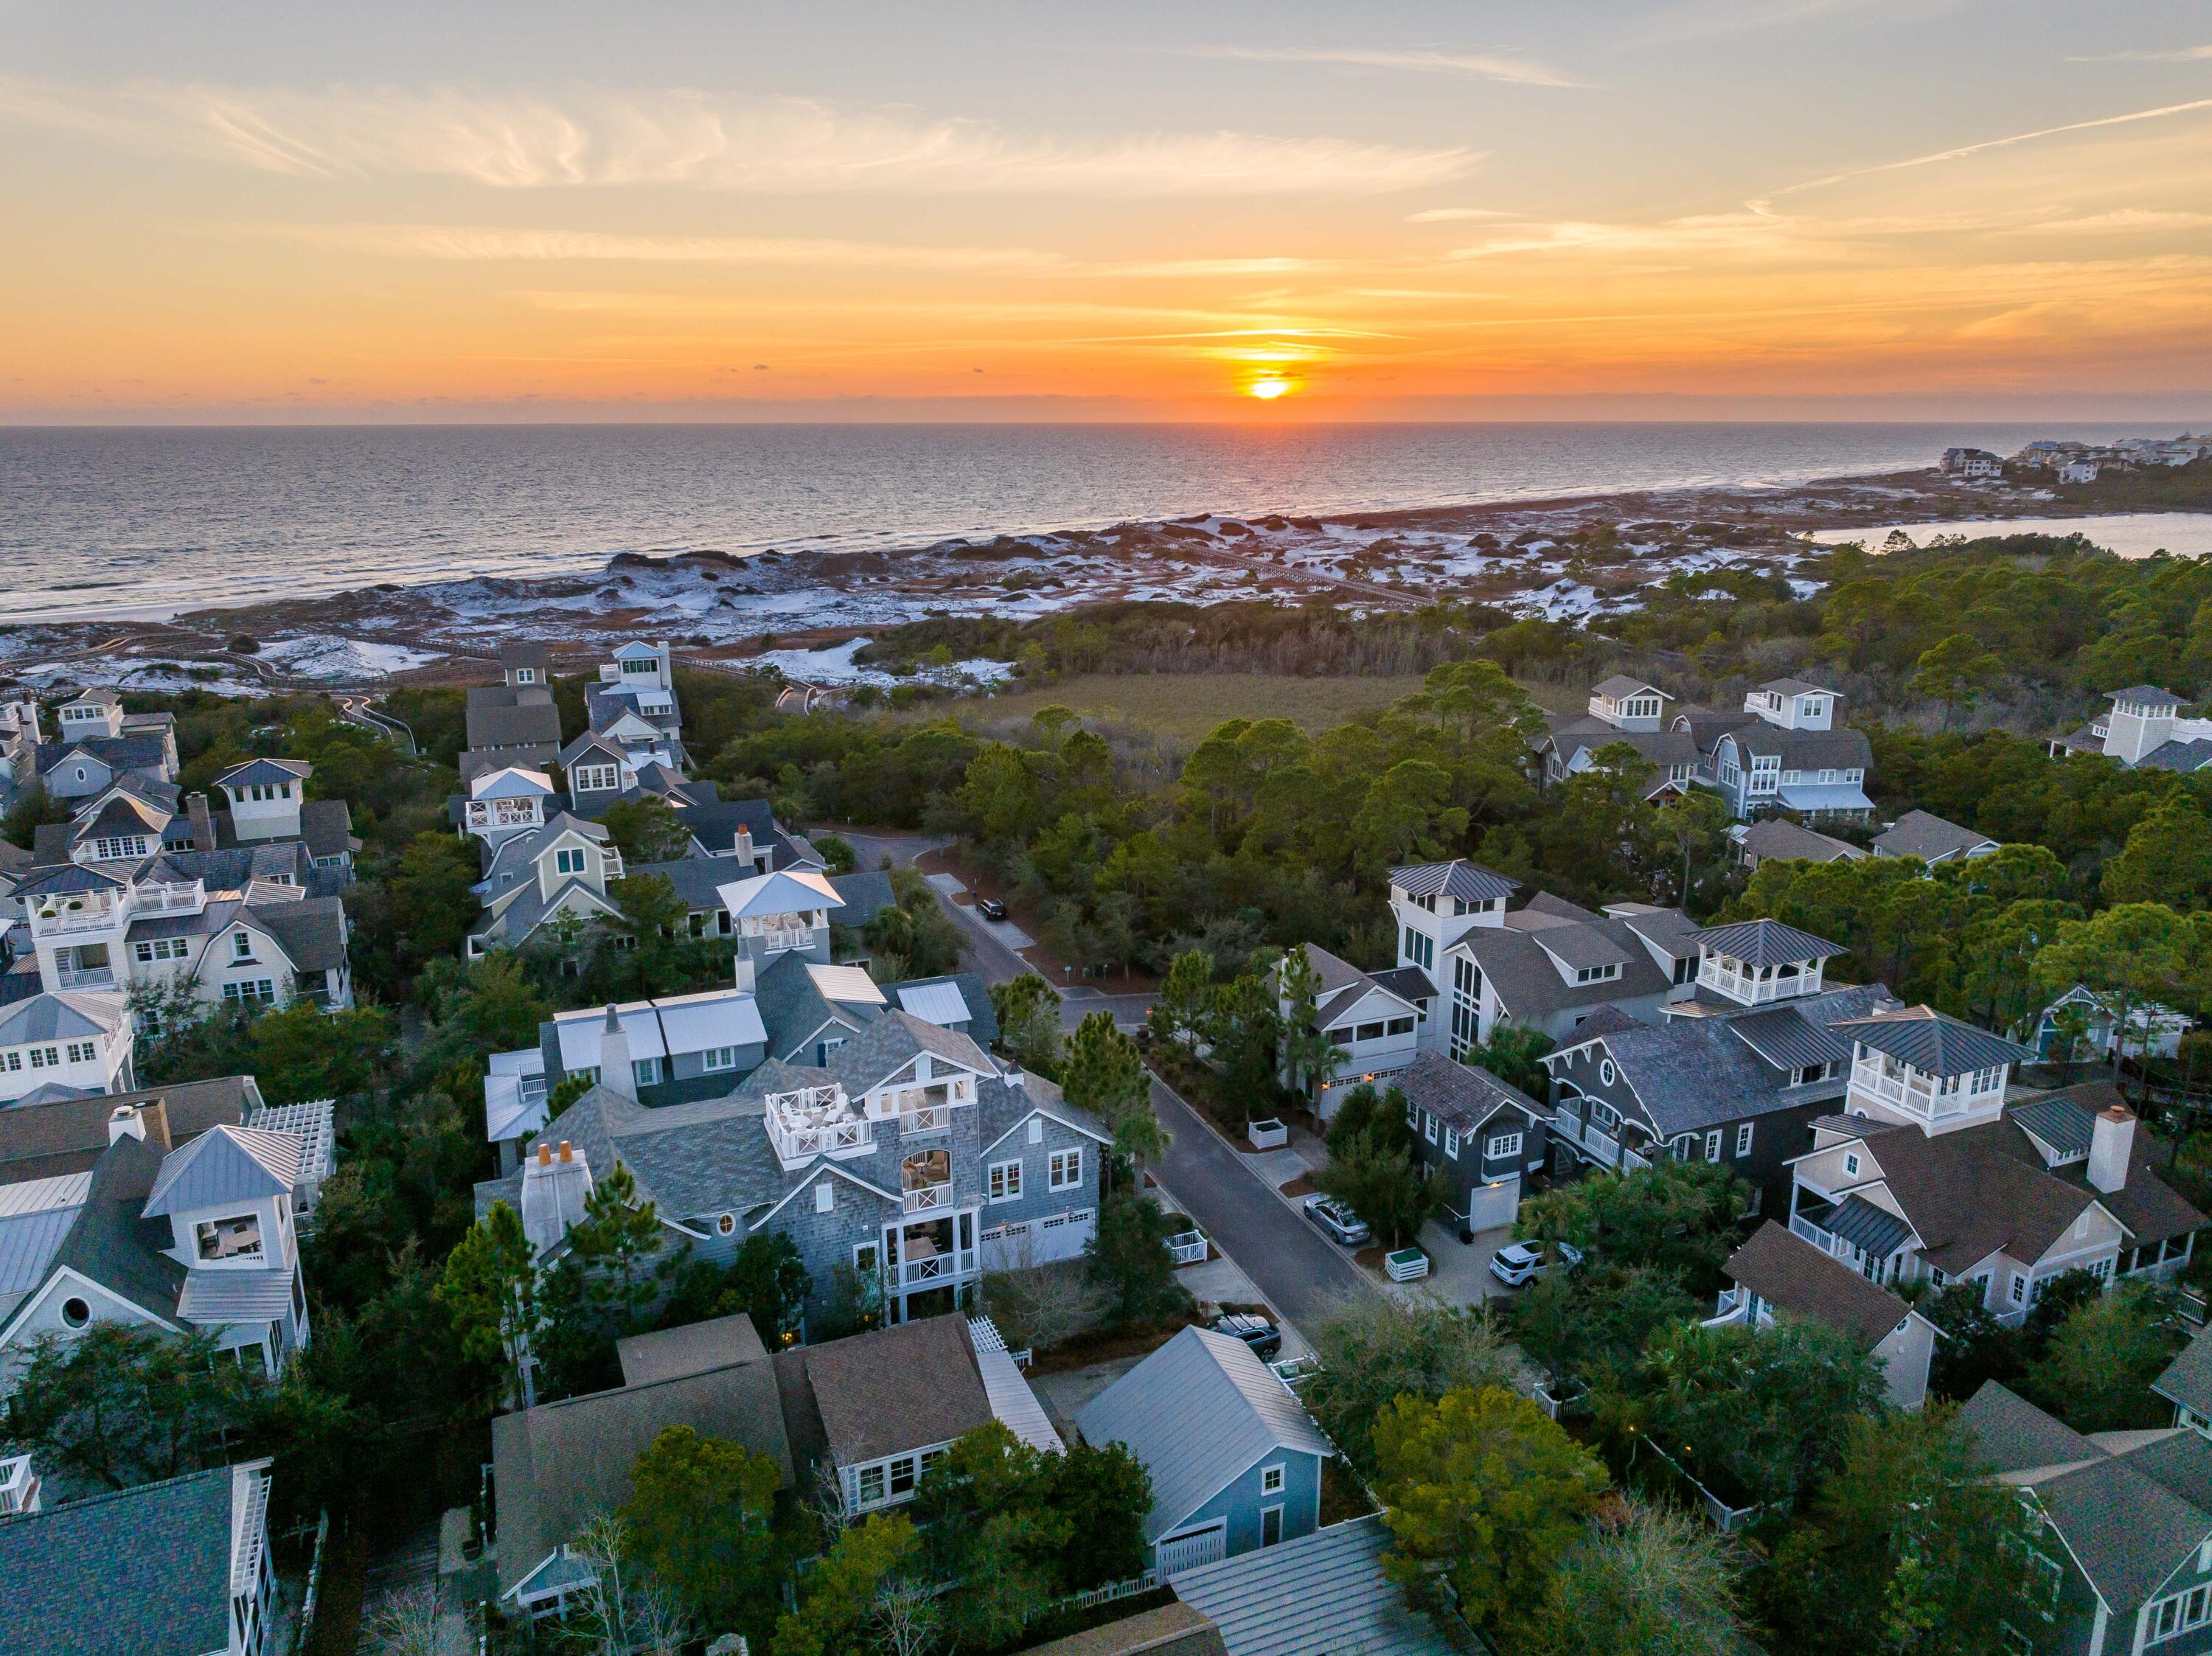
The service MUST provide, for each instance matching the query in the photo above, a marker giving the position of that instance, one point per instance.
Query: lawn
(1184, 707)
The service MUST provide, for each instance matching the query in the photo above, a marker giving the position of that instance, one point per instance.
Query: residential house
(1928, 837)
(1972, 463)
(1776, 1273)
(181, 1567)
(1734, 1075)
(1550, 965)
(225, 926)
(1373, 1019)
(600, 768)
(1778, 840)
(513, 723)
(784, 913)
(543, 875)
(1234, 1460)
(1436, 904)
(866, 1414)
(89, 1248)
(1627, 710)
(1482, 1136)
(268, 801)
(308, 844)
(2078, 471)
(2151, 1028)
(1790, 756)
(95, 744)
(2121, 1531)
(2186, 1383)
(501, 803)
(910, 1156)
(1326, 1591)
(66, 1043)
(67, 1135)
(2144, 729)
(15, 866)
(811, 1009)
(1954, 1186)
(635, 699)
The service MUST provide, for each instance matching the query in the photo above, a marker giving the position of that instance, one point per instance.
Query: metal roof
(35, 1217)
(939, 1003)
(1468, 882)
(214, 1297)
(1823, 795)
(1198, 1413)
(1874, 1231)
(1788, 1040)
(2059, 1123)
(1767, 943)
(1322, 1592)
(67, 878)
(256, 772)
(783, 892)
(1012, 1400)
(1933, 1042)
(59, 1014)
(226, 1164)
(658, 1028)
(850, 985)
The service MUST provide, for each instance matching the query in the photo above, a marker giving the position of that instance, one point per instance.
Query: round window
(76, 1312)
(1605, 1072)
(725, 1225)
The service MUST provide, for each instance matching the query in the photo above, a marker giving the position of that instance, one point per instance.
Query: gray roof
(2187, 1380)
(1785, 1039)
(894, 1389)
(2056, 1121)
(591, 742)
(1928, 837)
(2010, 1434)
(1795, 686)
(1589, 734)
(2150, 693)
(265, 772)
(1767, 942)
(1406, 982)
(496, 717)
(1468, 882)
(1174, 1629)
(226, 1164)
(895, 1037)
(1791, 1275)
(234, 1295)
(1778, 838)
(1001, 1108)
(1933, 1042)
(1585, 946)
(1461, 1095)
(1844, 749)
(138, 1572)
(1530, 985)
(1322, 1592)
(1620, 685)
(1198, 1413)
(1667, 930)
(112, 1244)
(694, 1349)
(312, 930)
(1877, 1231)
(698, 881)
(118, 753)
(58, 1014)
(791, 1007)
(2184, 756)
(526, 653)
(866, 894)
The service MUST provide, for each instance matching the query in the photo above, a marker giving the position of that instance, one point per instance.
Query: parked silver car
(1338, 1220)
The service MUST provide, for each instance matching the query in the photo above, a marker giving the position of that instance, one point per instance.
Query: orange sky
(723, 219)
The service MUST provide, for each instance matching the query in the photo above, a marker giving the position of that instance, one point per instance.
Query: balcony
(931, 1117)
(815, 1121)
(923, 1198)
(937, 1268)
(1806, 1230)
(19, 1486)
(84, 977)
(61, 918)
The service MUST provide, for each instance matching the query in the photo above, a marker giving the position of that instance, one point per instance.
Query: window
(2019, 1293)
(1451, 1142)
(568, 860)
(1429, 1127)
(825, 1197)
(1036, 1129)
(76, 1312)
(866, 1259)
(1341, 1035)
(2179, 1614)
(1067, 1169)
(1851, 1164)
(1743, 1139)
(260, 989)
(1606, 1072)
(1597, 975)
(1503, 1144)
(82, 1052)
(1399, 1027)
(1270, 1526)
(597, 779)
(11, 1060)
(725, 1224)
(1005, 1181)
(237, 1237)
(160, 948)
(646, 1070)
(720, 1058)
(1713, 1145)
(241, 946)
(871, 1484)
(46, 1058)
(1684, 1147)
(1271, 1480)
(1368, 1032)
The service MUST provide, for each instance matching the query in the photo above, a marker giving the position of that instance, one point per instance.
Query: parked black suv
(1263, 1336)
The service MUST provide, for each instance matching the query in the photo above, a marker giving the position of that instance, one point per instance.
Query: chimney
(123, 1122)
(196, 807)
(545, 1155)
(616, 1074)
(744, 846)
(2111, 1140)
(745, 971)
(553, 1193)
(1013, 1074)
(568, 1151)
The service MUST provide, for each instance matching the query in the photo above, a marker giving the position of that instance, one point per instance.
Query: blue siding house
(1234, 1458)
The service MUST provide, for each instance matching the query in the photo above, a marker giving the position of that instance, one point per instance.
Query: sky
(1492, 209)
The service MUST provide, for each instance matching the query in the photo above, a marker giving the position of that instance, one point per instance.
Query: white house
(1790, 756)
(2143, 728)
(504, 803)
(1374, 1021)
(66, 1042)
(541, 874)
(771, 914)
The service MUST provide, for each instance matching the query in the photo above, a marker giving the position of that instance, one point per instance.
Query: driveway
(872, 849)
(1305, 1276)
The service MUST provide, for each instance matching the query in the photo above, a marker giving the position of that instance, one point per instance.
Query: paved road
(1305, 1276)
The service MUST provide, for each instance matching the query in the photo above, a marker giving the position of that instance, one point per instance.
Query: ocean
(149, 520)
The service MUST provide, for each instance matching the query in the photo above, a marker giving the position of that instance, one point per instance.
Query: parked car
(1518, 1263)
(1338, 1220)
(1256, 1332)
(990, 908)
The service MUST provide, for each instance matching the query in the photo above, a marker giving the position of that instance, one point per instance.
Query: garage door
(1192, 1548)
(1489, 1207)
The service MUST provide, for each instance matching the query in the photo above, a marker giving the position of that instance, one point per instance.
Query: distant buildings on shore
(2079, 462)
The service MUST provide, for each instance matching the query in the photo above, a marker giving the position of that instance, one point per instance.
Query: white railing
(85, 977)
(1631, 1162)
(1800, 1226)
(98, 917)
(19, 1486)
(923, 1198)
(802, 1141)
(1188, 1248)
(1567, 1124)
(784, 938)
(932, 1118)
(1603, 1146)
(938, 1268)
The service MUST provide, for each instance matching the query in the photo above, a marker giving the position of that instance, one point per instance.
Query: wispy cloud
(1961, 151)
(490, 242)
(700, 140)
(1455, 214)
(1484, 66)
(2178, 55)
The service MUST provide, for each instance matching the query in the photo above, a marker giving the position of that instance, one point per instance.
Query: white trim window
(1503, 1144)
(261, 989)
(1065, 1170)
(1428, 1127)
(597, 779)
(568, 859)
(241, 945)
(719, 1058)
(159, 948)
(647, 1069)
(1005, 1183)
(1273, 1478)
(1743, 1139)
(1451, 1142)
(1713, 1145)
(888, 1481)
(2167, 1618)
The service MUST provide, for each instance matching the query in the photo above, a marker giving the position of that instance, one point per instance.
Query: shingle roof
(144, 1570)
(1844, 749)
(526, 653)
(37, 1141)
(1198, 1412)
(866, 896)
(1173, 1629)
(2010, 1434)
(2187, 1380)
(312, 930)
(898, 1388)
(1933, 1042)
(1791, 1275)
(2151, 1207)
(1406, 982)
(1777, 837)
(1795, 686)
(2129, 1530)
(496, 717)
(112, 1244)
(264, 772)
(2142, 692)
(1322, 1592)
(1620, 685)
(1767, 942)
(1968, 1196)
(1529, 985)
(1928, 837)
(1468, 882)
(1461, 1095)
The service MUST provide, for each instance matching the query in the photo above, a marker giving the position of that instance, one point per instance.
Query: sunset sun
(1268, 387)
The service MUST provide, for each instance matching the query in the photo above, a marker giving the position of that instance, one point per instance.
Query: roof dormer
(93, 713)
(1754, 961)
(1793, 705)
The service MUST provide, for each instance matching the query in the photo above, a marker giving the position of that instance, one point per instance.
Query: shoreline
(1561, 557)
